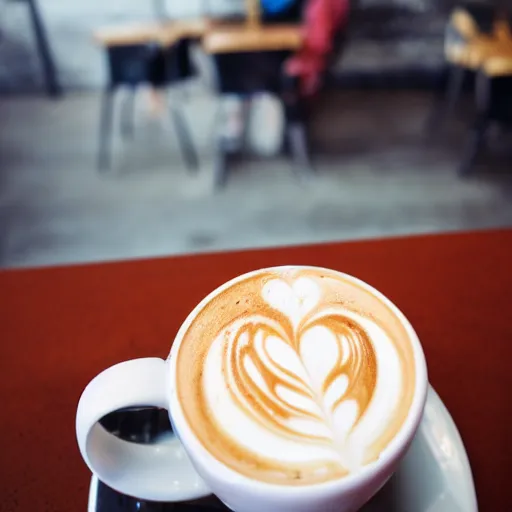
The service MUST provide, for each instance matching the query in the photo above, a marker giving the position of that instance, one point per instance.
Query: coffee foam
(295, 376)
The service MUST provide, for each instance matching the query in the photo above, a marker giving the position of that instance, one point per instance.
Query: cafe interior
(144, 128)
(153, 150)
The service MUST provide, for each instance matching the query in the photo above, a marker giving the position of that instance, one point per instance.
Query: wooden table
(165, 33)
(246, 38)
(61, 326)
(249, 59)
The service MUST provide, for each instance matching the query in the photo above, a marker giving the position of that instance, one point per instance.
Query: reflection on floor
(377, 176)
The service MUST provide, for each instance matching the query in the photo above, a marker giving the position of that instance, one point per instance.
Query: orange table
(60, 326)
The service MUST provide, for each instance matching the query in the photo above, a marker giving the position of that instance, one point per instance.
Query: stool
(466, 24)
(135, 57)
(493, 101)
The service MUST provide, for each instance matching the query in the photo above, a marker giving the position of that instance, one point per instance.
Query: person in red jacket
(323, 19)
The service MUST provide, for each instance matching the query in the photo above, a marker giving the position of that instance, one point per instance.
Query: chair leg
(105, 129)
(247, 105)
(299, 149)
(445, 105)
(187, 148)
(128, 115)
(476, 139)
(474, 144)
(220, 170)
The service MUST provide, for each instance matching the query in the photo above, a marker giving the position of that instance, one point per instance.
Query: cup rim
(393, 451)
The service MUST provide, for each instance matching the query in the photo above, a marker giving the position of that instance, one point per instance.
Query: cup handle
(159, 471)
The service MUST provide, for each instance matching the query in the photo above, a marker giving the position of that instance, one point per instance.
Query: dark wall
(395, 42)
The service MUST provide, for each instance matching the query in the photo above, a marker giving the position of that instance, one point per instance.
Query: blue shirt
(276, 6)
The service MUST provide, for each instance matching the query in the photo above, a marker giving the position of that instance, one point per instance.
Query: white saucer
(434, 476)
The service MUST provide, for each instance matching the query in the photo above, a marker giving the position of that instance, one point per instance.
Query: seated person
(321, 20)
(264, 123)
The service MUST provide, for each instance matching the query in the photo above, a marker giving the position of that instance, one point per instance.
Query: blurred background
(139, 128)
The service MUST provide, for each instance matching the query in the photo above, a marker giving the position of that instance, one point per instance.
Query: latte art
(295, 381)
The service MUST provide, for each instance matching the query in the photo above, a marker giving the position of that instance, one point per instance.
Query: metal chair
(466, 23)
(493, 89)
(135, 56)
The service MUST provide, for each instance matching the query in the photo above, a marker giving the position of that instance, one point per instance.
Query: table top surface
(246, 38)
(63, 325)
(165, 33)
(218, 36)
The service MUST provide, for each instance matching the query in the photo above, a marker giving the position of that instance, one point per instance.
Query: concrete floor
(377, 176)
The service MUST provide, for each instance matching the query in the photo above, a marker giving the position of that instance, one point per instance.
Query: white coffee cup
(162, 471)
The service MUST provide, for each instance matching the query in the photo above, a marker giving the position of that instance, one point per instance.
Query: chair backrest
(474, 18)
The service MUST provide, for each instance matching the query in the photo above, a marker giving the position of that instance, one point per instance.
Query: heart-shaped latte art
(295, 300)
(309, 378)
(295, 375)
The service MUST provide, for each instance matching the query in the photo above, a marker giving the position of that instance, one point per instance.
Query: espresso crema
(295, 375)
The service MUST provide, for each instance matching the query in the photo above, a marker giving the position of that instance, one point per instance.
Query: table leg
(299, 149)
(296, 112)
(127, 114)
(445, 105)
(220, 170)
(50, 73)
(184, 139)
